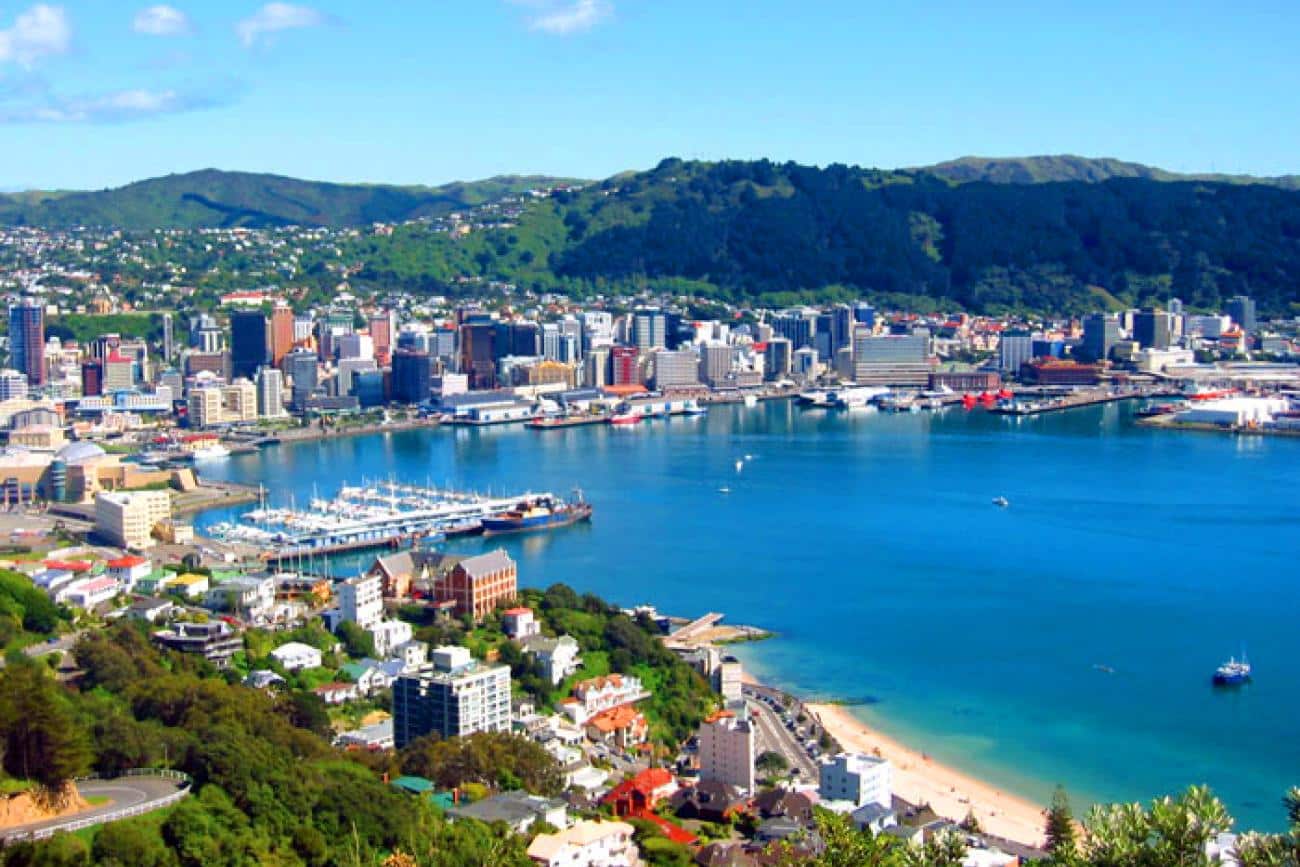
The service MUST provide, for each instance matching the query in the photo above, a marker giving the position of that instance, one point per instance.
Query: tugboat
(1234, 672)
(539, 513)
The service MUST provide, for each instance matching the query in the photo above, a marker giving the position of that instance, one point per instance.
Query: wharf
(212, 495)
(1019, 407)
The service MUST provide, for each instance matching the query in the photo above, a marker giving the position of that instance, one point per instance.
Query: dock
(1019, 406)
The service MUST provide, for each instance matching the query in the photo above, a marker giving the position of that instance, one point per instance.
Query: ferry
(1234, 672)
(856, 396)
(537, 513)
(214, 452)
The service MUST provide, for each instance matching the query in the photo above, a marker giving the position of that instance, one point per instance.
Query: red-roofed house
(77, 567)
(128, 570)
(642, 793)
(622, 727)
(596, 694)
(519, 623)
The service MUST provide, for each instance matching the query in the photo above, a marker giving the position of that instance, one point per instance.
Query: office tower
(27, 340)
(716, 362)
(1242, 310)
(92, 378)
(282, 333)
(1151, 328)
(1014, 349)
(778, 357)
(412, 376)
(381, 336)
(623, 367)
(301, 367)
(1100, 334)
(478, 353)
(649, 330)
(270, 392)
(169, 340)
(250, 343)
(676, 368)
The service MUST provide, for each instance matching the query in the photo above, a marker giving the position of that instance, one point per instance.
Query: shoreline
(919, 779)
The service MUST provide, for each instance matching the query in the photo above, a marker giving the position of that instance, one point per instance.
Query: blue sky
(96, 93)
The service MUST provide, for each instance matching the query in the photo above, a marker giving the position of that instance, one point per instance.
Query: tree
(846, 846)
(40, 737)
(771, 763)
(1172, 831)
(356, 641)
(130, 844)
(1062, 838)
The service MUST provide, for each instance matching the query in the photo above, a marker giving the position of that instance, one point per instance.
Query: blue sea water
(869, 542)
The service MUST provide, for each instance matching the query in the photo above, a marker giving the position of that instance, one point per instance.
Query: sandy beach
(919, 779)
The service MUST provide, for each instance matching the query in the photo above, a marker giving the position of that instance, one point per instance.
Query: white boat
(213, 452)
(740, 465)
(1001, 502)
(751, 400)
(816, 398)
(856, 396)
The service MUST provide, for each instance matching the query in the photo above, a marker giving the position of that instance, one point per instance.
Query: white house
(129, 570)
(597, 694)
(558, 656)
(588, 843)
(248, 593)
(858, 778)
(337, 693)
(389, 635)
(295, 656)
(89, 592)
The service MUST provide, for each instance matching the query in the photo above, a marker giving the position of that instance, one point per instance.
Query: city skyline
(328, 90)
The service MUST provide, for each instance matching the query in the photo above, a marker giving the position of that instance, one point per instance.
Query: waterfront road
(122, 793)
(774, 736)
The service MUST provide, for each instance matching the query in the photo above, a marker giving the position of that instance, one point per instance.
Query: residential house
(372, 676)
(372, 737)
(390, 635)
(589, 844)
(89, 593)
(263, 678)
(520, 623)
(596, 694)
(190, 585)
(150, 609)
(129, 570)
(519, 810)
(558, 656)
(874, 818)
(295, 656)
(780, 803)
(247, 594)
(337, 693)
(642, 793)
(216, 640)
(707, 801)
(857, 778)
(622, 727)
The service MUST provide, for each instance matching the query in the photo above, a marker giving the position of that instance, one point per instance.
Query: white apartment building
(453, 696)
(858, 778)
(361, 600)
(726, 750)
(127, 518)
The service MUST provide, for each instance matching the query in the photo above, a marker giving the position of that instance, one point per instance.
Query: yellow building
(128, 518)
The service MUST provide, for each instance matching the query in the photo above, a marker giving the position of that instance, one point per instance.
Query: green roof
(414, 785)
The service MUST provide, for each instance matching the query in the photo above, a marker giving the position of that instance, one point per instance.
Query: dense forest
(759, 232)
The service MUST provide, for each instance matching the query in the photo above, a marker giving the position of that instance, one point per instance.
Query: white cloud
(564, 17)
(161, 20)
(117, 106)
(274, 18)
(42, 31)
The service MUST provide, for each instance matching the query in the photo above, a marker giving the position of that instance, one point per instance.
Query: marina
(389, 515)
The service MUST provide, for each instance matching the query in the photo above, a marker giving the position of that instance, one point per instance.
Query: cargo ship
(538, 513)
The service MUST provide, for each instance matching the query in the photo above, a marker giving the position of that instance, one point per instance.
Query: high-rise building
(676, 368)
(282, 333)
(890, 359)
(796, 326)
(27, 340)
(1014, 349)
(649, 329)
(1151, 328)
(623, 367)
(270, 392)
(301, 367)
(716, 363)
(239, 401)
(778, 357)
(169, 338)
(841, 327)
(250, 343)
(127, 518)
(381, 336)
(13, 385)
(92, 378)
(726, 749)
(1242, 310)
(597, 329)
(368, 387)
(595, 367)
(119, 373)
(452, 696)
(864, 314)
(1100, 334)
(478, 354)
(412, 376)
(361, 600)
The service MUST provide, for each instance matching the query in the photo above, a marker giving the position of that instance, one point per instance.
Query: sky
(98, 93)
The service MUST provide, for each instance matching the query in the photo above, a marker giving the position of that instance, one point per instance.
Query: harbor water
(1068, 637)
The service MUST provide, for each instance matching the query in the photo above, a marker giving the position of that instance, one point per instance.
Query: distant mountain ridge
(1068, 167)
(215, 199)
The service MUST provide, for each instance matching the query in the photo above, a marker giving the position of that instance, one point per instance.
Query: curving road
(123, 792)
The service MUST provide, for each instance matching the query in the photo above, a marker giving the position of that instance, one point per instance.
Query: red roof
(515, 612)
(130, 561)
(673, 832)
(68, 565)
(118, 358)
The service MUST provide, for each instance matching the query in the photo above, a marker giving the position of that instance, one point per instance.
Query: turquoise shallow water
(869, 542)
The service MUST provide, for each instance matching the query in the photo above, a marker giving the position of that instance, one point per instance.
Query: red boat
(626, 418)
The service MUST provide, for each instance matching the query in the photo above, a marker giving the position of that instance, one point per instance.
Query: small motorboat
(1001, 502)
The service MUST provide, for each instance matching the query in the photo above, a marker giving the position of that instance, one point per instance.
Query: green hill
(1067, 167)
(211, 198)
(777, 233)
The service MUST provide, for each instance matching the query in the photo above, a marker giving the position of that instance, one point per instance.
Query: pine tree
(1062, 838)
